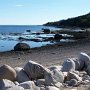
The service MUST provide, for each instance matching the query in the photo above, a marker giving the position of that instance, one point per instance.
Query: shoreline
(46, 55)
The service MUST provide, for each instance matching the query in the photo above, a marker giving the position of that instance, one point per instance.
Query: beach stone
(68, 65)
(51, 68)
(7, 72)
(86, 77)
(15, 88)
(58, 76)
(84, 60)
(72, 75)
(21, 75)
(40, 82)
(4, 84)
(29, 85)
(88, 70)
(53, 78)
(34, 70)
(42, 88)
(21, 47)
(73, 82)
(77, 64)
(51, 88)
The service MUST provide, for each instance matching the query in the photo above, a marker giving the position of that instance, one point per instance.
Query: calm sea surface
(22, 28)
(7, 43)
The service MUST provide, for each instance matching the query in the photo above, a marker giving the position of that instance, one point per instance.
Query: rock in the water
(4, 84)
(72, 75)
(68, 65)
(29, 85)
(21, 75)
(7, 72)
(51, 88)
(21, 47)
(84, 60)
(15, 88)
(34, 70)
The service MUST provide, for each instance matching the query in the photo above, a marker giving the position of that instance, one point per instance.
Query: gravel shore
(47, 55)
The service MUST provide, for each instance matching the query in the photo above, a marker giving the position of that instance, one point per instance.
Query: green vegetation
(80, 21)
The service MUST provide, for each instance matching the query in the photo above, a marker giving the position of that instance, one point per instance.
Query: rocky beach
(50, 56)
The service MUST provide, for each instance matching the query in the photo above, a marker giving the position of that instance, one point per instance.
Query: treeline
(80, 21)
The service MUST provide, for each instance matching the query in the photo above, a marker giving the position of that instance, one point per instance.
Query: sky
(37, 12)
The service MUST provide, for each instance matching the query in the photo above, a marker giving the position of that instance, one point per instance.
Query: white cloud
(19, 5)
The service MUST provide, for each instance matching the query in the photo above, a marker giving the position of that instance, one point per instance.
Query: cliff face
(80, 21)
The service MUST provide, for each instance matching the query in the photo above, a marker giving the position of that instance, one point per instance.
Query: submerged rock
(7, 72)
(21, 47)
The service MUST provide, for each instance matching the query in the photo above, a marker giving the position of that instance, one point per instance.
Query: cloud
(19, 5)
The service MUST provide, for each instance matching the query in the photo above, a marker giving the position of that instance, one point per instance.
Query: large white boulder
(34, 70)
(68, 65)
(84, 60)
(7, 72)
(21, 75)
(4, 84)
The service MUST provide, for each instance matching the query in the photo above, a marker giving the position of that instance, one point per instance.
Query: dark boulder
(21, 47)
(57, 36)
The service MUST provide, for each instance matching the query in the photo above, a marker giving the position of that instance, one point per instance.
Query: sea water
(7, 42)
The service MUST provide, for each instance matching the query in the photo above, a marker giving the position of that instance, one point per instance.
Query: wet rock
(29, 85)
(21, 75)
(34, 70)
(7, 72)
(21, 47)
(68, 65)
(4, 84)
(84, 60)
(57, 36)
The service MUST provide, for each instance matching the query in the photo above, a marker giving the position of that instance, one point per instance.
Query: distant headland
(80, 21)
